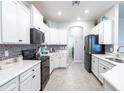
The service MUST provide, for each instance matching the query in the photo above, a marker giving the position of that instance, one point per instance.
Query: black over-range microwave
(36, 36)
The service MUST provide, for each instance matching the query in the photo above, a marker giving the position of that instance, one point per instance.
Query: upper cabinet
(36, 18)
(23, 25)
(9, 17)
(105, 32)
(15, 26)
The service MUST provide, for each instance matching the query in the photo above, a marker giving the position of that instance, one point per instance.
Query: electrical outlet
(6, 53)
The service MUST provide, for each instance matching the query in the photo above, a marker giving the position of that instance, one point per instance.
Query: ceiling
(70, 13)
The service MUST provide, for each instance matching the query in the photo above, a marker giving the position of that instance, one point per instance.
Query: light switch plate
(6, 53)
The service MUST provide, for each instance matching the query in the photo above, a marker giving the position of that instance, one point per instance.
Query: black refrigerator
(91, 47)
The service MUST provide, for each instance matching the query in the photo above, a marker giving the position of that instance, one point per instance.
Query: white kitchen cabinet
(57, 36)
(15, 23)
(23, 24)
(104, 67)
(36, 80)
(52, 63)
(46, 31)
(30, 80)
(105, 32)
(36, 18)
(9, 16)
(12, 85)
(62, 36)
(54, 36)
(63, 60)
(58, 60)
(27, 84)
(95, 64)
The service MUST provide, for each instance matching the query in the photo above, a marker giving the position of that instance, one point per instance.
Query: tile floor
(74, 78)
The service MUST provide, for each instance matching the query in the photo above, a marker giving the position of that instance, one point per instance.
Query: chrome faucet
(119, 48)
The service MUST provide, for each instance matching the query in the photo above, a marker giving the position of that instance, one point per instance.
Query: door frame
(80, 61)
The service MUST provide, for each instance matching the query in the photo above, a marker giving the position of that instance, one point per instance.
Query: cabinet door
(9, 30)
(54, 36)
(37, 18)
(23, 24)
(26, 85)
(51, 63)
(95, 62)
(102, 69)
(62, 36)
(57, 60)
(63, 60)
(47, 34)
(36, 80)
(12, 85)
(101, 33)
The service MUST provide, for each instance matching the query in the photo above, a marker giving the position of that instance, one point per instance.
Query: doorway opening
(75, 44)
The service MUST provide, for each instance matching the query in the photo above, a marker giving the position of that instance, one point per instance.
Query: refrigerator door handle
(84, 48)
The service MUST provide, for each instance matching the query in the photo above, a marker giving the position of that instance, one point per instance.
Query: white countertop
(16, 69)
(115, 75)
(52, 53)
(103, 57)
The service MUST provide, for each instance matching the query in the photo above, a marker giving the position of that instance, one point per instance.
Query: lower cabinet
(104, 67)
(100, 66)
(95, 63)
(26, 85)
(36, 81)
(30, 80)
(58, 60)
(52, 63)
(12, 85)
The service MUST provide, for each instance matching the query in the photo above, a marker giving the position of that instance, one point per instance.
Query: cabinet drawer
(26, 74)
(12, 85)
(36, 67)
(107, 64)
(102, 69)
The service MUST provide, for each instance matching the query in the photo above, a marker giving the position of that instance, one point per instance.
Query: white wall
(121, 32)
(121, 27)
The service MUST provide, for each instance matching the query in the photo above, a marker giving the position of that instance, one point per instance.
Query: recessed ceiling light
(78, 18)
(59, 13)
(86, 11)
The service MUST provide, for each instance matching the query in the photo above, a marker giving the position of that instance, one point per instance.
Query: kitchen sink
(116, 60)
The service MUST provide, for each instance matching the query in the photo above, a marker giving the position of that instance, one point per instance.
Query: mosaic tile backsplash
(14, 50)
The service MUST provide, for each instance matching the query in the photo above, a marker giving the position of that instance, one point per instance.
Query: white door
(77, 35)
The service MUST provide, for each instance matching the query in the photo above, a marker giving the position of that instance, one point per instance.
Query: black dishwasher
(45, 70)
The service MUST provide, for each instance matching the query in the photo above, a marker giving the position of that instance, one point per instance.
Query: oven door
(45, 72)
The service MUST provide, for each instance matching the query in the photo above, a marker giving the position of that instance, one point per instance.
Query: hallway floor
(74, 78)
